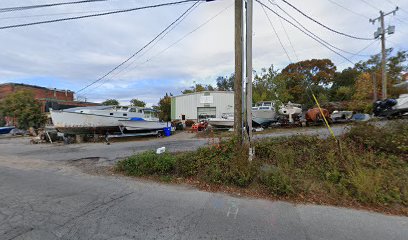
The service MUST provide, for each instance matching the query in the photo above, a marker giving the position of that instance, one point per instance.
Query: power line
(308, 34)
(176, 42)
(348, 9)
(364, 48)
(98, 14)
(321, 24)
(287, 35)
(190, 10)
(141, 49)
(370, 4)
(277, 35)
(11, 9)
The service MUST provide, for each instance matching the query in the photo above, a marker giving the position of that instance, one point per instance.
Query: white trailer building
(201, 105)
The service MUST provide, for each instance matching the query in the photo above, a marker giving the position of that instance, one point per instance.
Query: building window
(125, 114)
(111, 114)
(183, 117)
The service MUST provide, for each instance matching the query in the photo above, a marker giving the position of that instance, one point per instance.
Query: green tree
(110, 102)
(225, 83)
(23, 107)
(137, 103)
(198, 88)
(164, 108)
(264, 85)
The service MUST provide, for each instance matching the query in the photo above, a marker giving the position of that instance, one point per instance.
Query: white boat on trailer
(264, 113)
(105, 119)
(225, 121)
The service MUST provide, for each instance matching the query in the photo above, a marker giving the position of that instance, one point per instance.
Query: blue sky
(72, 54)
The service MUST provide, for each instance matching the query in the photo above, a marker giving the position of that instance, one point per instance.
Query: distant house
(56, 99)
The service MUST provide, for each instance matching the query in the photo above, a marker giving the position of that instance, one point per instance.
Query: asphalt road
(44, 202)
(22, 149)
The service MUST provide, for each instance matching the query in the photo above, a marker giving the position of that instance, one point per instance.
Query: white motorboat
(102, 119)
(148, 122)
(264, 113)
(226, 121)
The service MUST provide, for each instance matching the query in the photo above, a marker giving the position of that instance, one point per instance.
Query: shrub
(276, 181)
(148, 163)
(391, 138)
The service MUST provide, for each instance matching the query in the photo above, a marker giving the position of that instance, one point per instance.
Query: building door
(206, 112)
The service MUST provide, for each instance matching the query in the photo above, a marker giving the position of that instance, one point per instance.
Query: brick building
(49, 97)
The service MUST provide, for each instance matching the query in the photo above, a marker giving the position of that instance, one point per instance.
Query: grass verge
(368, 169)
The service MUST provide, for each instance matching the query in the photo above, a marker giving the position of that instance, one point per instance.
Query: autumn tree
(396, 63)
(24, 108)
(110, 102)
(137, 103)
(316, 74)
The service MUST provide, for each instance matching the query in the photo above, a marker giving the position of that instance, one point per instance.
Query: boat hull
(263, 117)
(221, 123)
(142, 125)
(77, 123)
(6, 130)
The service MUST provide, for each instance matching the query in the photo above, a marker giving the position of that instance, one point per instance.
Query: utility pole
(249, 17)
(239, 43)
(381, 31)
(375, 97)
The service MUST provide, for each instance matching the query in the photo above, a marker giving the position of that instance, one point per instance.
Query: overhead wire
(98, 14)
(20, 8)
(348, 9)
(276, 34)
(323, 25)
(141, 49)
(305, 31)
(190, 10)
(176, 42)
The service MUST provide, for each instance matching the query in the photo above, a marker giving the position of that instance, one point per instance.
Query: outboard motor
(381, 108)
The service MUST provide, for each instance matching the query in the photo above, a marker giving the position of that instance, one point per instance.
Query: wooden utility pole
(238, 68)
(381, 33)
(375, 97)
(383, 57)
(249, 17)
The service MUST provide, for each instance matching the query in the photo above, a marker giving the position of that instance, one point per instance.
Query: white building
(201, 105)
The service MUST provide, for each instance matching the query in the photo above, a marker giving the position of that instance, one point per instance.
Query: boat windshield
(150, 113)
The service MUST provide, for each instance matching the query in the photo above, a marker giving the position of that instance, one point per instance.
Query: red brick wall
(39, 93)
(46, 93)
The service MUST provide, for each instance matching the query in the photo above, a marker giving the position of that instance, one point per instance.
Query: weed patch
(371, 167)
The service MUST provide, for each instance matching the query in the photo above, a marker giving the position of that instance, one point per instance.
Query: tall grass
(371, 167)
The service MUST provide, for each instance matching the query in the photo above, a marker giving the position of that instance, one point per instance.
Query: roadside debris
(161, 150)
